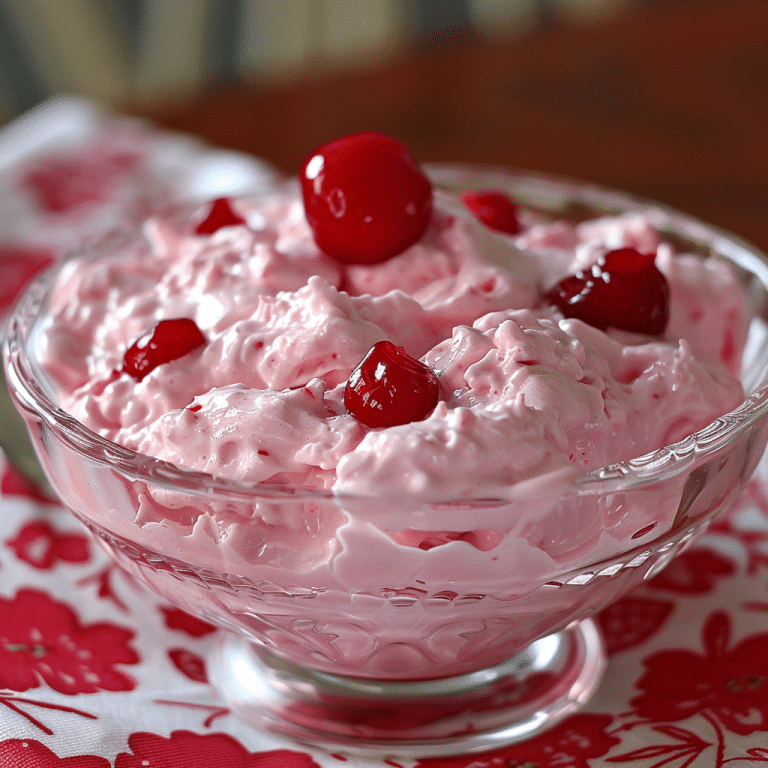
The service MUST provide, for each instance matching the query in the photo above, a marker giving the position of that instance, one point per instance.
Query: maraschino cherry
(495, 209)
(390, 387)
(623, 290)
(220, 215)
(169, 340)
(365, 198)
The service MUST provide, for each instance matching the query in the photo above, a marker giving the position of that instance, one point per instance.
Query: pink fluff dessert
(254, 378)
(262, 400)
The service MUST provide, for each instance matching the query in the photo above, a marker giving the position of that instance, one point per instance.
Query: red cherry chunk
(624, 290)
(365, 198)
(390, 387)
(495, 209)
(220, 215)
(169, 340)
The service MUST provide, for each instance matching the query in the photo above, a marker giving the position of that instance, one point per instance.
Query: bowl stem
(474, 712)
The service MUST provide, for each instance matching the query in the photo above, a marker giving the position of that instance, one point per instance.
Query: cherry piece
(624, 290)
(169, 340)
(220, 215)
(365, 198)
(495, 209)
(390, 387)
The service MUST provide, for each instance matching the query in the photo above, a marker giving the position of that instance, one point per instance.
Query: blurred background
(665, 98)
(114, 50)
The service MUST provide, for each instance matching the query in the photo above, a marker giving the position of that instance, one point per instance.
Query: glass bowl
(342, 637)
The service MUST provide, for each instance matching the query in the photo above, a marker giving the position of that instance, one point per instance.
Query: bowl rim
(643, 470)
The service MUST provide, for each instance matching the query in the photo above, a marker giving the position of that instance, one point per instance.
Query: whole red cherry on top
(495, 209)
(169, 340)
(390, 387)
(624, 290)
(365, 198)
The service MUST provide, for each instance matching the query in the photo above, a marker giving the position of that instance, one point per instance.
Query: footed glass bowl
(346, 635)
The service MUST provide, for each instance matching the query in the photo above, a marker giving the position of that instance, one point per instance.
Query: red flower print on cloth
(175, 618)
(38, 544)
(189, 664)
(728, 685)
(42, 640)
(19, 266)
(632, 621)
(13, 483)
(678, 745)
(28, 753)
(68, 183)
(694, 571)
(105, 583)
(193, 750)
(571, 744)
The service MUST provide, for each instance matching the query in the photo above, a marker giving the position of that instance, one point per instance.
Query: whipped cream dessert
(223, 338)
(523, 390)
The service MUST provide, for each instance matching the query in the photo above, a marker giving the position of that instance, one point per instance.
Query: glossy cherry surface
(365, 198)
(390, 387)
(624, 290)
(495, 209)
(220, 215)
(169, 340)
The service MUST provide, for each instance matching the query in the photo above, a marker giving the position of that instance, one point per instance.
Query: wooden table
(669, 101)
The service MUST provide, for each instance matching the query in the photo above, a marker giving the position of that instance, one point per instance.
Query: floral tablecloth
(97, 673)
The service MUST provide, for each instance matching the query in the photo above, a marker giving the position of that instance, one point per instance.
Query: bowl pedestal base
(469, 713)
